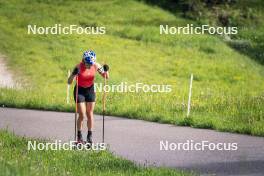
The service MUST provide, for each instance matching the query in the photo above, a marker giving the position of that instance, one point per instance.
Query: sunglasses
(88, 60)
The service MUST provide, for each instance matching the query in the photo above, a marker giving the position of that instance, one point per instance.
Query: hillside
(228, 84)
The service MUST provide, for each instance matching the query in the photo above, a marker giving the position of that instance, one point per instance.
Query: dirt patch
(6, 77)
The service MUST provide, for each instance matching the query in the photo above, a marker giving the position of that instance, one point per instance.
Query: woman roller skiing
(84, 72)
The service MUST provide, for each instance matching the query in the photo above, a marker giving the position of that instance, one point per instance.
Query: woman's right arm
(70, 79)
(73, 74)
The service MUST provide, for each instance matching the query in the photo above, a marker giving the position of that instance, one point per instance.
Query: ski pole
(106, 68)
(76, 108)
(104, 98)
(68, 89)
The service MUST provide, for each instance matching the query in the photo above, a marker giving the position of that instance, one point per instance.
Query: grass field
(15, 159)
(227, 89)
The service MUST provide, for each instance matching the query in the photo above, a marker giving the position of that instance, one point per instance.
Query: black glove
(106, 67)
(76, 71)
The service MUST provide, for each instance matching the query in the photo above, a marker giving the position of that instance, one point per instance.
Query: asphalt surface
(140, 141)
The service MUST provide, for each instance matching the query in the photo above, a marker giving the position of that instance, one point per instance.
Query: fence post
(190, 95)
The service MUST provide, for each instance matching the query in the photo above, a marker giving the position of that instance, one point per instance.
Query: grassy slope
(227, 88)
(254, 33)
(15, 159)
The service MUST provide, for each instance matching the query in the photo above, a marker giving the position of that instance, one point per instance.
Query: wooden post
(190, 95)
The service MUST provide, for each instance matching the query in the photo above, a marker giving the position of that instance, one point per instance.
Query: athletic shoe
(89, 137)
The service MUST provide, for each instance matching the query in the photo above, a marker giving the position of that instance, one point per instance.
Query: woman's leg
(81, 110)
(89, 114)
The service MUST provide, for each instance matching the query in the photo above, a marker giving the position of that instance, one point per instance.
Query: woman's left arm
(102, 70)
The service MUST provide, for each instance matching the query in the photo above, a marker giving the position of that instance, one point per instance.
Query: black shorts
(85, 94)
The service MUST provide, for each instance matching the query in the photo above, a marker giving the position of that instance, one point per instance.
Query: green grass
(227, 89)
(16, 159)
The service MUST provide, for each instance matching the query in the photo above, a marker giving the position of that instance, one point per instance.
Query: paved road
(140, 141)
